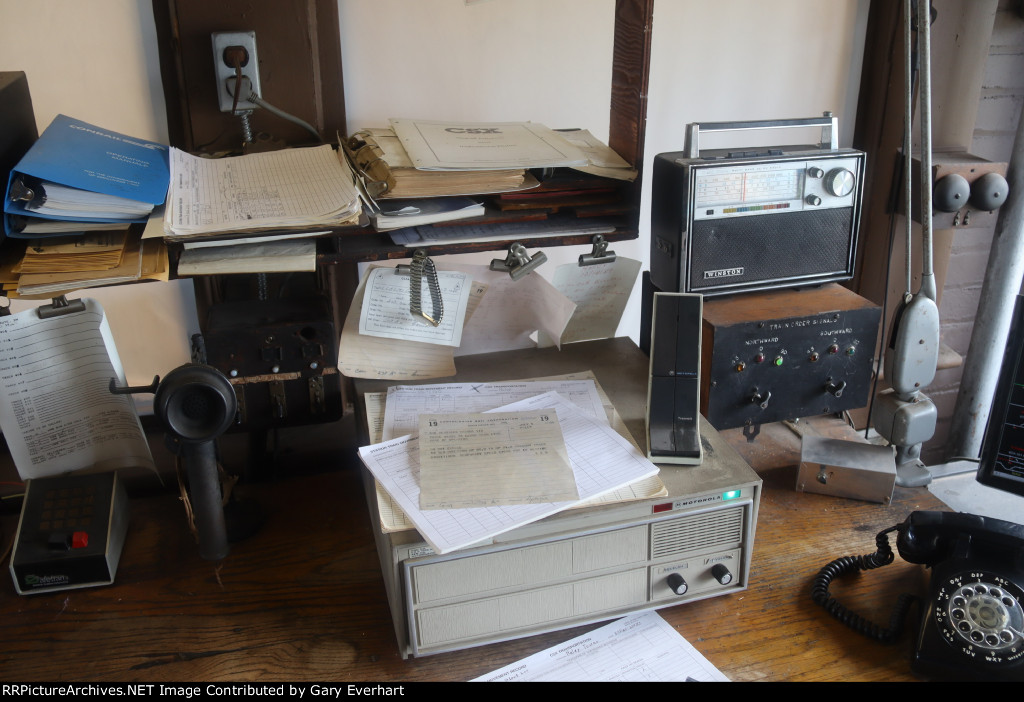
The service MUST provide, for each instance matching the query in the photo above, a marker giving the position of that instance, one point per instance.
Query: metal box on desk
(786, 354)
(580, 566)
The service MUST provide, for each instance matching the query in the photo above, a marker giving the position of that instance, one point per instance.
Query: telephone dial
(972, 623)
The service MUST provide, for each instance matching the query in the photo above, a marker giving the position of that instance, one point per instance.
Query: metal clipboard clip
(599, 254)
(59, 307)
(518, 263)
(420, 267)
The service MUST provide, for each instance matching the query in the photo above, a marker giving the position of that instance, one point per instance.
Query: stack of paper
(388, 172)
(79, 177)
(601, 460)
(289, 189)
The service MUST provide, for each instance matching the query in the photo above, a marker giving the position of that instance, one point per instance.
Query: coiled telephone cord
(851, 564)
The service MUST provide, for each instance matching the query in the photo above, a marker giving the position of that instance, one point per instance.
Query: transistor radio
(729, 221)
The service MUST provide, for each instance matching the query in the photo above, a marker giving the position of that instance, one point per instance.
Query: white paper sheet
(511, 311)
(56, 409)
(638, 648)
(602, 462)
(385, 308)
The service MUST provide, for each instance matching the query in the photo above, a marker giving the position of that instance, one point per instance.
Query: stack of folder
(58, 265)
(74, 211)
(560, 177)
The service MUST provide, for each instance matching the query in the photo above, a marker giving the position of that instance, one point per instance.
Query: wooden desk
(303, 600)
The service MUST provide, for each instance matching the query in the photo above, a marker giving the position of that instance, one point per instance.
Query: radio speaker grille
(780, 247)
(700, 531)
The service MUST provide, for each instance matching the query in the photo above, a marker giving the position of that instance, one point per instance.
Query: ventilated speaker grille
(777, 247)
(700, 531)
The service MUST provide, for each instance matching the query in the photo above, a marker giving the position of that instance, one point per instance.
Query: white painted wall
(542, 60)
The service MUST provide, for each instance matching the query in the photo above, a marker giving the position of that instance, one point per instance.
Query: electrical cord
(260, 102)
(852, 564)
(257, 100)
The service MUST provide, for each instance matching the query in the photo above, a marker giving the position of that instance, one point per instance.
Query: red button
(80, 539)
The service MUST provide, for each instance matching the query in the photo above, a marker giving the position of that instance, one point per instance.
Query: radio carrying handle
(829, 130)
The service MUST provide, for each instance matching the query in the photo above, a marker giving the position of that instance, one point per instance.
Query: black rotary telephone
(972, 623)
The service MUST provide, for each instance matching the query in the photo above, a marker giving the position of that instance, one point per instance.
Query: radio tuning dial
(813, 200)
(721, 573)
(840, 182)
(677, 584)
(815, 172)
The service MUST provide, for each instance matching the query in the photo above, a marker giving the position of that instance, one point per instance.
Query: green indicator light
(731, 495)
(778, 361)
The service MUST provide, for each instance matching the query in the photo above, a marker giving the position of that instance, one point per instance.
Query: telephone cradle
(972, 622)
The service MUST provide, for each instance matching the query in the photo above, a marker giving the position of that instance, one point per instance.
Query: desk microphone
(196, 404)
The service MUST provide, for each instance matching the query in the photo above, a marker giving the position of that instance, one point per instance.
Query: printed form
(385, 308)
(638, 648)
(601, 459)
(287, 188)
(494, 458)
(56, 409)
(405, 403)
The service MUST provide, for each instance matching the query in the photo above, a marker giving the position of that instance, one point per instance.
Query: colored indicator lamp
(731, 495)
(778, 361)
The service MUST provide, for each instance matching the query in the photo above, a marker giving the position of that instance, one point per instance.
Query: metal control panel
(787, 354)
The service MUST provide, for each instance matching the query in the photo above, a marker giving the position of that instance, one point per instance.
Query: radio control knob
(813, 200)
(677, 584)
(840, 182)
(720, 573)
(815, 172)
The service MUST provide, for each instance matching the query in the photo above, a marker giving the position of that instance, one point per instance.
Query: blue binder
(87, 158)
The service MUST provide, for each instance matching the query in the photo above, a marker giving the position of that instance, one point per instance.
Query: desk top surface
(303, 599)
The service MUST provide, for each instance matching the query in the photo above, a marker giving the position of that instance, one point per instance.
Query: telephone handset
(972, 623)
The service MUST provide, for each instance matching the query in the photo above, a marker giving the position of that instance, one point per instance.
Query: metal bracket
(131, 389)
(518, 263)
(600, 253)
(827, 122)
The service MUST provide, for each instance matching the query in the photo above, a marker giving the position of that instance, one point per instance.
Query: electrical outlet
(230, 48)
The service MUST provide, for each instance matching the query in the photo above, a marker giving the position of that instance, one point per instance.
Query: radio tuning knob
(720, 573)
(815, 172)
(677, 584)
(840, 182)
(813, 200)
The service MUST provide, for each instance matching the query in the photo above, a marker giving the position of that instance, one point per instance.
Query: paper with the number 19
(493, 458)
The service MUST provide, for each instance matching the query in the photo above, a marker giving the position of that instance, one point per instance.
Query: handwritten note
(600, 293)
(499, 458)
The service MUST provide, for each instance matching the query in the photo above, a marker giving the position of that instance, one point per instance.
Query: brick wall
(1002, 97)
